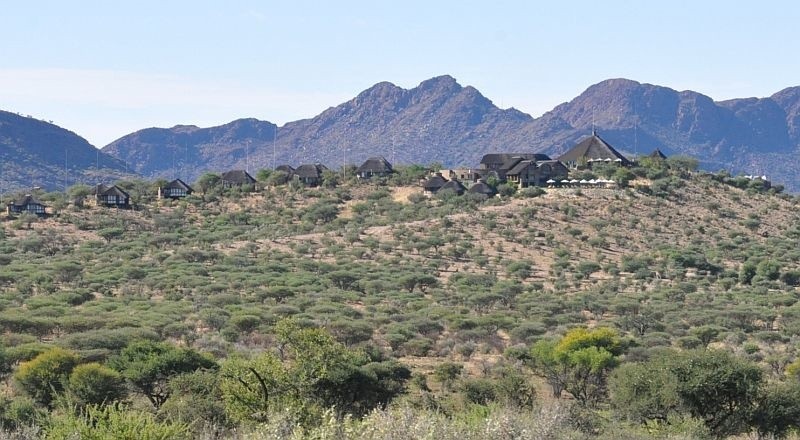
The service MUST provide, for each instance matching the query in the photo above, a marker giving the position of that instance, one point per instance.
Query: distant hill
(186, 151)
(442, 121)
(437, 121)
(749, 135)
(35, 153)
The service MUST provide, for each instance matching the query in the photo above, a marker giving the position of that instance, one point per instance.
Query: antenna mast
(635, 131)
(65, 169)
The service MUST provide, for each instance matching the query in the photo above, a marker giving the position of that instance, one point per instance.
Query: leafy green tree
(777, 411)
(195, 397)
(208, 181)
(277, 178)
(149, 366)
(506, 190)
(313, 373)
(683, 163)
(642, 392)
(706, 333)
(623, 176)
(45, 376)
(323, 211)
(711, 385)
(109, 234)
(578, 363)
(263, 175)
(26, 219)
(447, 373)
(95, 384)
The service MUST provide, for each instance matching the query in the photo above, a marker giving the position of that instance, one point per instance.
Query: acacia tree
(43, 377)
(148, 366)
(714, 386)
(95, 384)
(578, 363)
(311, 372)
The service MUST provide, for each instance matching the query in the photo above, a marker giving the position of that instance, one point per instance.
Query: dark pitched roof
(375, 165)
(657, 154)
(520, 167)
(434, 183)
(285, 168)
(99, 189)
(482, 187)
(114, 191)
(548, 162)
(310, 170)
(498, 160)
(454, 185)
(26, 200)
(178, 184)
(238, 177)
(593, 147)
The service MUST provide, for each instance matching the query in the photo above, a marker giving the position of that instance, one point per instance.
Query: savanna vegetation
(665, 308)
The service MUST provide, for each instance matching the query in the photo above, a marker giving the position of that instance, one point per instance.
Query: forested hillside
(667, 307)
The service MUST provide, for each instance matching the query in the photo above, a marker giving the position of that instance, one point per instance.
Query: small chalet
(536, 173)
(434, 183)
(112, 196)
(310, 174)
(481, 187)
(374, 167)
(26, 204)
(455, 186)
(592, 150)
(176, 189)
(499, 164)
(237, 178)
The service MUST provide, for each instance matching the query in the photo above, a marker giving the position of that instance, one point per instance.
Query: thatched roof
(520, 167)
(114, 191)
(454, 185)
(481, 187)
(288, 169)
(99, 189)
(375, 165)
(657, 154)
(593, 148)
(504, 161)
(238, 177)
(313, 171)
(434, 183)
(178, 184)
(25, 200)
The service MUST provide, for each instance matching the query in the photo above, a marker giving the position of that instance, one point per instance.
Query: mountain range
(443, 121)
(37, 153)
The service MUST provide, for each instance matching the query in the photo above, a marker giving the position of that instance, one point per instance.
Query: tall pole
(274, 150)
(635, 131)
(65, 169)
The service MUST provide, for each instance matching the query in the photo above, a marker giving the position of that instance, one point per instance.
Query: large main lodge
(523, 170)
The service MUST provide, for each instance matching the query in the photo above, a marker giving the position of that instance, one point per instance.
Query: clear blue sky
(103, 69)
